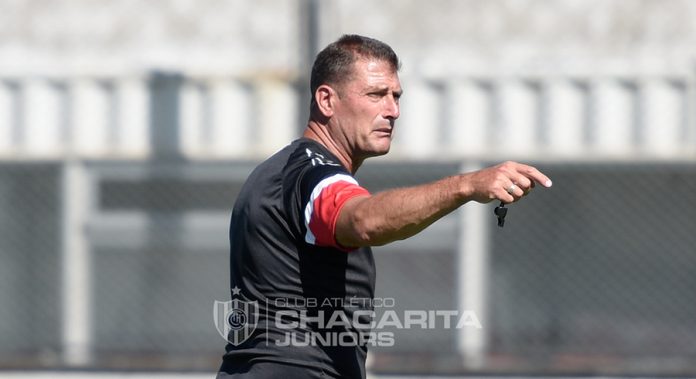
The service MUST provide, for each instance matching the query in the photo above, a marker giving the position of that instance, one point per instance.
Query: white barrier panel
(565, 118)
(228, 118)
(689, 141)
(518, 118)
(418, 130)
(276, 109)
(469, 118)
(7, 117)
(132, 132)
(192, 119)
(231, 119)
(613, 105)
(663, 105)
(43, 116)
(91, 107)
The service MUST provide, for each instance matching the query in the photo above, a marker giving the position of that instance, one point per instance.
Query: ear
(325, 97)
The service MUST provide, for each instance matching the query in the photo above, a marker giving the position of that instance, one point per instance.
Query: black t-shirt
(314, 296)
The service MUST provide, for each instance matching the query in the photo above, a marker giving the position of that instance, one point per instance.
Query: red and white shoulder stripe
(324, 205)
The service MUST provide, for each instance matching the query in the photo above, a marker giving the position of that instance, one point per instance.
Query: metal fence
(30, 255)
(591, 275)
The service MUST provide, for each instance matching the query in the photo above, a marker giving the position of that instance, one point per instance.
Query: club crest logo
(236, 319)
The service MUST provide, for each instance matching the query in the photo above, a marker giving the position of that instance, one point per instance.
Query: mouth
(384, 131)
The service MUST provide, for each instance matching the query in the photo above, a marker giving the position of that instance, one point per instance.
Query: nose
(391, 109)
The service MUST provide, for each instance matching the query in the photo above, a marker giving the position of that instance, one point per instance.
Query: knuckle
(502, 173)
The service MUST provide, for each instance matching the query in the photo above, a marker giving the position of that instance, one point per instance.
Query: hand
(507, 182)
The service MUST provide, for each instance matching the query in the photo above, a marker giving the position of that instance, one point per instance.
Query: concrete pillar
(91, 115)
(663, 105)
(518, 118)
(231, 123)
(613, 126)
(276, 110)
(194, 126)
(689, 132)
(418, 130)
(132, 136)
(8, 118)
(165, 128)
(469, 118)
(566, 117)
(43, 117)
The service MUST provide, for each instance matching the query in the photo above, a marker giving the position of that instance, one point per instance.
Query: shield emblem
(236, 319)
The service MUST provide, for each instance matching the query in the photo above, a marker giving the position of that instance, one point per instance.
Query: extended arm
(401, 213)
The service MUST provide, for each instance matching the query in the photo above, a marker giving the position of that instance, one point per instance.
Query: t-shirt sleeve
(324, 202)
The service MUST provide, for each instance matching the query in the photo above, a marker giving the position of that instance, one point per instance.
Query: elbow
(361, 234)
(370, 239)
(356, 231)
(367, 232)
(359, 225)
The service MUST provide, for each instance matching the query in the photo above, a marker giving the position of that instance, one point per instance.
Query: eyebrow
(383, 89)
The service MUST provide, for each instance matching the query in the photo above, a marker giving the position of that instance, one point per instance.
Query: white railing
(247, 118)
(68, 117)
(550, 118)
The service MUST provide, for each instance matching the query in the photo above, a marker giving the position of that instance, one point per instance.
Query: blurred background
(127, 128)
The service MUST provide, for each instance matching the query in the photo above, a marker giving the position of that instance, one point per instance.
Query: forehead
(373, 72)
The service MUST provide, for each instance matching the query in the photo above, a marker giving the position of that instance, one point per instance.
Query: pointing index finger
(536, 175)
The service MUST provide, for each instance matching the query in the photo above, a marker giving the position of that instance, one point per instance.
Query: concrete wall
(439, 37)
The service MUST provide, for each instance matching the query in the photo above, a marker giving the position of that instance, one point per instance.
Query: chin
(381, 149)
(376, 147)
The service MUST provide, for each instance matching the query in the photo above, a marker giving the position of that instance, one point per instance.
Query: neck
(319, 132)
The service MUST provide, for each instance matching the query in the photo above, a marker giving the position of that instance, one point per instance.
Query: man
(302, 227)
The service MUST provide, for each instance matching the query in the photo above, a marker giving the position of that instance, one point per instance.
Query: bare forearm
(399, 213)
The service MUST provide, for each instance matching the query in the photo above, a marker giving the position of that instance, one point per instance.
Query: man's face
(367, 108)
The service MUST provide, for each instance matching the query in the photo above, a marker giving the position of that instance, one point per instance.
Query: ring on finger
(511, 189)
